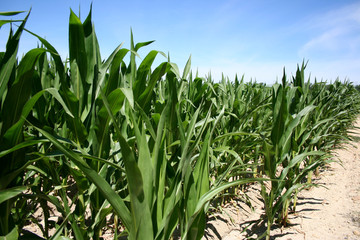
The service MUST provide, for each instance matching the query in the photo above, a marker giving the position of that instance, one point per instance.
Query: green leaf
(2, 22)
(12, 235)
(144, 163)
(77, 45)
(142, 44)
(116, 98)
(8, 62)
(212, 193)
(145, 97)
(187, 68)
(104, 187)
(141, 227)
(114, 73)
(13, 134)
(22, 145)
(9, 193)
(142, 74)
(287, 136)
(55, 55)
(129, 96)
(11, 13)
(20, 91)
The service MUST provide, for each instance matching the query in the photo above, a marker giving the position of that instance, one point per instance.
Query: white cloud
(328, 40)
(334, 33)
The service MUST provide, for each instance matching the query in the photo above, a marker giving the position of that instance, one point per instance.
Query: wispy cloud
(328, 40)
(336, 32)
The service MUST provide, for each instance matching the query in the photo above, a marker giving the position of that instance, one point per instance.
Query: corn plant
(283, 155)
(18, 98)
(109, 104)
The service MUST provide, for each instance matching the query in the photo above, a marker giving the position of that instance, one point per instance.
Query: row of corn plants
(145, 150)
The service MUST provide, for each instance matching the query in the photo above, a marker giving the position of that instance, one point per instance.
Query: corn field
(147, 151)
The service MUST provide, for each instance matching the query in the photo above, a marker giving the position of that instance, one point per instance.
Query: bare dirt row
(331, 211)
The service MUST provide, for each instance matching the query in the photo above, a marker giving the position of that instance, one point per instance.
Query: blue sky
(256, 38)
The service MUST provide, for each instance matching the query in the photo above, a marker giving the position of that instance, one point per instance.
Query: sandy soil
(329, 212)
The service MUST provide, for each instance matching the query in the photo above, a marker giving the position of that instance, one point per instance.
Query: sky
(257, 38)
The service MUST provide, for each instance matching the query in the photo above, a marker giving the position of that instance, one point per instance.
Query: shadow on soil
(255, 229)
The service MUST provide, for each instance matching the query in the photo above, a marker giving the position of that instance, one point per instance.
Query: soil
(331, 211)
